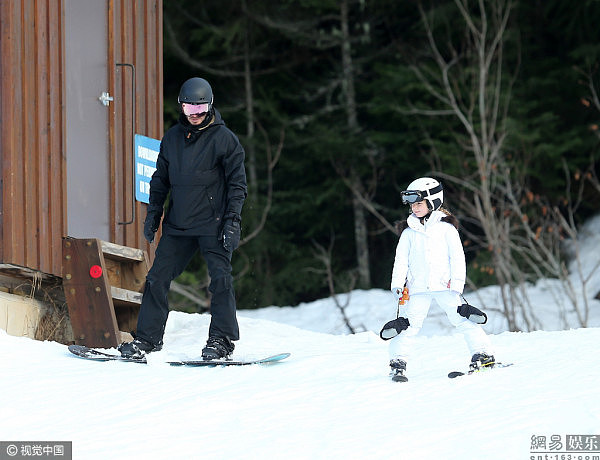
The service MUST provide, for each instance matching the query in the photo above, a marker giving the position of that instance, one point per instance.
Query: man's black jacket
(203, 168)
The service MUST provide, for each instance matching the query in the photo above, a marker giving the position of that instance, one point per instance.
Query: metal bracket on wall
(105, 98)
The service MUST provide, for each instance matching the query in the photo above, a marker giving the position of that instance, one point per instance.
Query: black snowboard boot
(481, 360)
(398, 368)
(138, 348)
(217, 348)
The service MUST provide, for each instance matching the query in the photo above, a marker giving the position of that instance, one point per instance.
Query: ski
(95, 355)
(455, 374)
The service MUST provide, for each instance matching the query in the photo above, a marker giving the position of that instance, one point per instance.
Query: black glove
(472, 313)
(392, 328)
(152, 221)
(231, 233)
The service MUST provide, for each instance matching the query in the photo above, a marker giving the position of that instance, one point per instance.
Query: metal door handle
(132, 140)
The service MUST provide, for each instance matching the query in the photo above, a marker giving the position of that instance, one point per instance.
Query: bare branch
(324, 256)
(271, 163)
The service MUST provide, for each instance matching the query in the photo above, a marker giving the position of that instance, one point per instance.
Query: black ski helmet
(196, 91)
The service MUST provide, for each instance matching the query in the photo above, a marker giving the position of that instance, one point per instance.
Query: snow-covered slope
(331, 399)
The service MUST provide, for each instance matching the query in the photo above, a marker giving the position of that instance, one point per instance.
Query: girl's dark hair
(449, 218)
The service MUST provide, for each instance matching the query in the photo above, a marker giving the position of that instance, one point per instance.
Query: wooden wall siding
(135, 37)
(32, 140)
(33, 201)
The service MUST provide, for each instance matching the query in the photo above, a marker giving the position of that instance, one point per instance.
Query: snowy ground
(331, 399)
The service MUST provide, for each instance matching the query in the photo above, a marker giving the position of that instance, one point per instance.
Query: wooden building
(78, 78)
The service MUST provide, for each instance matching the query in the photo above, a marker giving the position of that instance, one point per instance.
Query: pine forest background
(340, 104)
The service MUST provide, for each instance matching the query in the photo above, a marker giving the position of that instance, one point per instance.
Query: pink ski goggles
(194, 109)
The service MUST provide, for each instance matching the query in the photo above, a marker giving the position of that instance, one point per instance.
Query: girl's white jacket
(429, 257)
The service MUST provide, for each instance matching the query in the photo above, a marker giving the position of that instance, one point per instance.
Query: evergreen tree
(337, 91)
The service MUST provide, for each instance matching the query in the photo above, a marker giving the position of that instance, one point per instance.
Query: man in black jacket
(201, 164)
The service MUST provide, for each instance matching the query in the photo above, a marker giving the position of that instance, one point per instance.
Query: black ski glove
(152, 221)
(231, 232)
(472, 313)
(392, 328)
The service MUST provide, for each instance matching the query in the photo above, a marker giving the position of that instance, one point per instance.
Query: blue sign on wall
(146, 153)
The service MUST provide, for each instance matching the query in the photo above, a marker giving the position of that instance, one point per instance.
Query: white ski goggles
(194, 109)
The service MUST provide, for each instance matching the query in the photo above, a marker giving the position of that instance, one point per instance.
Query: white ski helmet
(424, 188)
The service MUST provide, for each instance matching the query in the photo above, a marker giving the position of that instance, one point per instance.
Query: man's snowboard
(455, 374)
(94, 355)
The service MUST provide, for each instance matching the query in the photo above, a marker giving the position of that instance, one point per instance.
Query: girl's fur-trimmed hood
(449, 218)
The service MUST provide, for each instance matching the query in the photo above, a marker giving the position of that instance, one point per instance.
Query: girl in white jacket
(430, 261)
